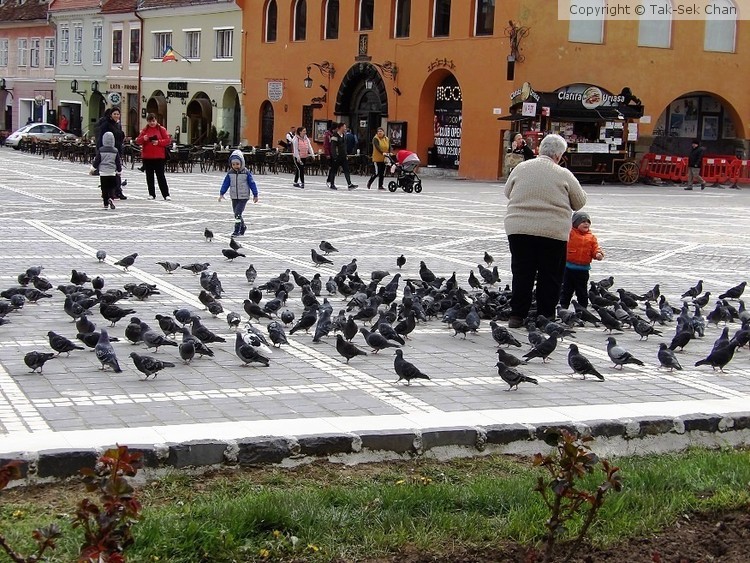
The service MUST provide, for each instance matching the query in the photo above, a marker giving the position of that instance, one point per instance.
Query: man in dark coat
(695, 159)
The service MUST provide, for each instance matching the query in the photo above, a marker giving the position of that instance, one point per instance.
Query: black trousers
(575, 281)
(379, 173)
(539, 259)
(344, 164)
(108, 185)
(155, 167)
(299, 171)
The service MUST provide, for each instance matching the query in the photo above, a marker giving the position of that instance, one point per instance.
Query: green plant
(563, 493)
(107, 528)
(222, 136)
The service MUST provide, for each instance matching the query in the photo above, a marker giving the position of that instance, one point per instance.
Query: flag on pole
(169, 55)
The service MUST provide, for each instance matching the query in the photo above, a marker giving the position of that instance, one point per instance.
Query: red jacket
(582, 248)
(150, 150)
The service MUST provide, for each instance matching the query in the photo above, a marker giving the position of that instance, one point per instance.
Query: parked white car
(43, 131)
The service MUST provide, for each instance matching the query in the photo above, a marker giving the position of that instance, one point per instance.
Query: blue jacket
(239, 183)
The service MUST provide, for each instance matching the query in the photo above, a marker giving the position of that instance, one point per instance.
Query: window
(272, 14)
(721, 31)
(162, 40)
(97, 60)
(23, 52)
(332, 19)
(224, 43)
(135, 46)
(403, 18)
(4, 52)
(441, 18)
(77, 43)
(590, 30)
(116, 47)
(192, 44)
(366, 14)
(655, 30)
(484, 17)
(49, 52)
(35, 52)
(64, 44)
(300, 20)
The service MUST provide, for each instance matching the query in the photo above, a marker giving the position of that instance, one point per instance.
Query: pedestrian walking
(154, 139)
(239, 183)
(110, 122)
(381, 146)
(302, 153)
(108, 165)
(338, 158)
(695, 160)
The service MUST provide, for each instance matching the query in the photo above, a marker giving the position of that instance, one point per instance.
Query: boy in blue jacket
(240, 183)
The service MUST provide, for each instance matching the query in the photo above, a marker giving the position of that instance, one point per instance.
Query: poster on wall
(397, 134)
(727, 128)
(710, 127)
(447, 141)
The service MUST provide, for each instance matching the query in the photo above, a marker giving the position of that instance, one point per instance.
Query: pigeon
(609, 320)
(202, 332)
(113, 313)
(681, 339)
(230, 254)
(347, 349)
(389, 332)
(276, 333)
(198, 346)
(101, 255)
(307, 320)
(488, 259)
(406, 370)
(183, 316)
(168, 325)
(233, 244)
(667, 359)
(187, 349)
(460, 326)
(318, 259)
(148, 365)
(42, 284)
(734, 292)
(79, 278)
(509, 359)
(105, 353)
(287, 317)
(400, 261)
(606, 283)
(196, 268)
(376, 341)
(719, 357)
(251, 274)
(703, 300)
(425, 273)
(248, 354)
(327, 247)
(60, 344)
(644, 329)
(694, 291)
(169, 266)
(36, 360)
(84, 324)
(128, 261)
(208, 234)
(153, 339)
(513, 377)
(581, 364)
(97, 283)
(233, 319)
(255, 311)
(619, 355)
(90, 339)
(542, 350)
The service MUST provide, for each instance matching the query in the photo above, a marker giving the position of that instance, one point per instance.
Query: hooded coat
(239, 183)
(108, 160)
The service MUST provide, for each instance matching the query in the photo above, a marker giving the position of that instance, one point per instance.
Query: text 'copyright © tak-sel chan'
(652, 9)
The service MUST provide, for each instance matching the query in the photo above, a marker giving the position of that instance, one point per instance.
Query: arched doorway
(697, 115)
(97, 106)
(447, 122)
(229, 116)
(157, 104)
(200, 118)
(266, 124)
(363, 98)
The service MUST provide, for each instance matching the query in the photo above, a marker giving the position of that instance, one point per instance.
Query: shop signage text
(131, 87)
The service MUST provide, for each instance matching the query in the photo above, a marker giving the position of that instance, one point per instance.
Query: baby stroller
(404, 166)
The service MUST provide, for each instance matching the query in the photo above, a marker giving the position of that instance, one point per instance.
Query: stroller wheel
(392, 186)
(418, 186)
(408, 189)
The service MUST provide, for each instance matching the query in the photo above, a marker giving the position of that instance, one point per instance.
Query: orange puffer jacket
(581, 247)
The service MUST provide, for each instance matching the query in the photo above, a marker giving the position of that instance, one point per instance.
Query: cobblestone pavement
(52, 216)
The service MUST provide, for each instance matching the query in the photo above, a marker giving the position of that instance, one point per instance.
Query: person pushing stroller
(405, 168)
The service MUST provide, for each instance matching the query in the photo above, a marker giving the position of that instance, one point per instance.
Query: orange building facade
(440, 75)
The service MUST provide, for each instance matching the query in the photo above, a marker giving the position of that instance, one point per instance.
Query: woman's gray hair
(553, 146)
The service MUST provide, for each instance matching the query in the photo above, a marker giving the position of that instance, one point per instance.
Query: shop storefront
(601, 127)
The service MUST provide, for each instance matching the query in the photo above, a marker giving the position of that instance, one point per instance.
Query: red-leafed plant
(570, 461)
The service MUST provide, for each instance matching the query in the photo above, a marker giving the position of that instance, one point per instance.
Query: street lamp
(325, 68)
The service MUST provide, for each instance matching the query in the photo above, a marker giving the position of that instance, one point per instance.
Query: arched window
(441, 18)
(300, 20)
(721, 27)
(403, 18)
(655, 30)
(271, 20)
(366, 14)
(332, 19)
(484, 17)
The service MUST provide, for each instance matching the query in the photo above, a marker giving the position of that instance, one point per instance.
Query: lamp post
(326, 69)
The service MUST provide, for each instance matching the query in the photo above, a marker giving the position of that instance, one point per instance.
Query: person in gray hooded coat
(239, 183)
(108, 164)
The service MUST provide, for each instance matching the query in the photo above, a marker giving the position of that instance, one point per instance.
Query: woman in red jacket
(154, 139)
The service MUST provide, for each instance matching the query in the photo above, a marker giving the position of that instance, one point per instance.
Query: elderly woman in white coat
(541, 198)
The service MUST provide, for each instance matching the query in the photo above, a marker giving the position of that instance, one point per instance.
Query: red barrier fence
(715, 170)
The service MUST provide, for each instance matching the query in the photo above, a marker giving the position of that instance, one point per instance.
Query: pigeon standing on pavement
(406, 370)
(128, 261)
(318, 259)
(327, 247)
(231, 254)
(667, 359)
(543, 349)
(400, 261)
(169, 266)
(101, 255)
(61, 345)
(619, 355)
(720, 357)
(36, 360)
(581, 364)
(509, 359)
(513, 377)
(376, 341)
(148, 365)
(153, 339)
(247, 353)
(734, 292)
(347, 349)
(105, 353)
(208, 234)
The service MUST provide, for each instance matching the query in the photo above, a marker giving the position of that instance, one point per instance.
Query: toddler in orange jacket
(582, 249)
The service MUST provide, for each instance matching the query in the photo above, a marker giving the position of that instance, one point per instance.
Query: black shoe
(352, 186)
(703, 187)
(381, 188)
(369, 184)
(515, 322)
(689, 189)
(331, 186)
(111, 204)
(122, 196)
(296, 184)
(243, 228)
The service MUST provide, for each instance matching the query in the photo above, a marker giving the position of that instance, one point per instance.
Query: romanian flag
(168, 55)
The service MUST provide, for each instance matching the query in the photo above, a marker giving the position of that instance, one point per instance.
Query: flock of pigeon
(383, 308)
